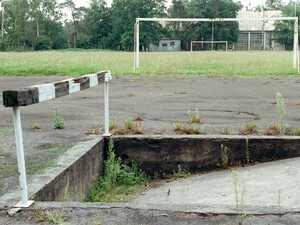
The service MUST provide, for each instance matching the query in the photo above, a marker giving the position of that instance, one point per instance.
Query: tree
(76, 14)
(273, 4)
(123, 16)
(97, 24)
(284, 30)
(223, 31)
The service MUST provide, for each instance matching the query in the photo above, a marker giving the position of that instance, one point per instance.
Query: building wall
(258, 41)
(166, 45)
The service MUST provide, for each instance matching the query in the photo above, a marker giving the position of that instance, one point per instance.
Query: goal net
(209, 45)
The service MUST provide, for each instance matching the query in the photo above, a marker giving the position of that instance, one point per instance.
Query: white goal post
(210, 42)
(138, 20)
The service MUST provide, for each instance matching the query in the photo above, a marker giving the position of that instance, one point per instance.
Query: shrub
(42, 43)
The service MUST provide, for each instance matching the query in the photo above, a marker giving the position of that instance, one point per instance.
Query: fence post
(106, 103)
(21, 159)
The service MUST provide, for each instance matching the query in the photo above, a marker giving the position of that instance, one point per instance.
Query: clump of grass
(226, 131)
(59, 122)
(180, 174)
(48, 217)
(93, 131)
(273, 129)
(129, 127)
(36, 127)
(119, 182)
(281, 110)
(195, 118)
(161, 130)
(295, 132)
(128, 124)
(250, 128)
(138, 117)
(137, 128)
(182, 128)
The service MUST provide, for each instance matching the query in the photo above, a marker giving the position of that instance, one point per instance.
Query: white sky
(244, 2)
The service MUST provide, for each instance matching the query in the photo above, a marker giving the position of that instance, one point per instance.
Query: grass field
(75, 63)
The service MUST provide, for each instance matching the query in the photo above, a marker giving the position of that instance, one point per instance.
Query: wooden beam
(43, 92)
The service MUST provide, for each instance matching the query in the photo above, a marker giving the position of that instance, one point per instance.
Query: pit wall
(163, 154)
(80, 166)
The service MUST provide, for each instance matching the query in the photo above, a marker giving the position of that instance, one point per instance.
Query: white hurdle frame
(49, 93)
(296, 32)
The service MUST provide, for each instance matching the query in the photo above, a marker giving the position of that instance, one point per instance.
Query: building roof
(258, 25)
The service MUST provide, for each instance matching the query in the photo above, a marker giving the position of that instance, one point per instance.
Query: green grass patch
(75, 62)
(120, 182)
(35, 163)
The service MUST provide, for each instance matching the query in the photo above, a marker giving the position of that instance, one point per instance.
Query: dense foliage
(42, 24)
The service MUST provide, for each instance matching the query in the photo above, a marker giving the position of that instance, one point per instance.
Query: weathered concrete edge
(40, 181)
(200, 209)
(197, 153)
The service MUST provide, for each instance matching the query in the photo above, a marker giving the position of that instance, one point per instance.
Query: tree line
(40, 24)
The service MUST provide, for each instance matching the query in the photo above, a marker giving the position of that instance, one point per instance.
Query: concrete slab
(214, 192)
(222, 102)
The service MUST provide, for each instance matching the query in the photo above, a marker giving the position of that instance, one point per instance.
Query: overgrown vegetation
(281, 111)
(59, 122)
(119, 182)
(247, 153)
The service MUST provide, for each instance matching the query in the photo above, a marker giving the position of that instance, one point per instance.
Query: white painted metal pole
(249, 41)
(20, 155)
(295, 43)
(137, 43)
(106, 104)
(212, 36)
(226, 46)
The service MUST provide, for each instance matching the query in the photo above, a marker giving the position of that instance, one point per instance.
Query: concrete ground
(222, 102)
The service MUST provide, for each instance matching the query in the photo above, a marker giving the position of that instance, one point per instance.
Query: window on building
(172, 43)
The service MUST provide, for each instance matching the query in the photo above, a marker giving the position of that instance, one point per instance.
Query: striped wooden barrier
(43, 92)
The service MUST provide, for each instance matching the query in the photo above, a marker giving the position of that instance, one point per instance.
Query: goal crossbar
(209, 42)
(138, 20)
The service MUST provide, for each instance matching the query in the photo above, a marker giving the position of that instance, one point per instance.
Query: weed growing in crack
(273, 129)
(94, 131)
(247, 151)
(137, 128)
(119, 182)
(281, 110)
(181, 173)
(182, 128)
(59, 122)
(48, 217)
(279, 201)
(239, 193)
(295, 132)
(161, 130)
(138, 117)
(226, 131)
(113, 124)
(36, 127)
(250, 128)
(195, 118)
(128, 124)
(224, 158)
